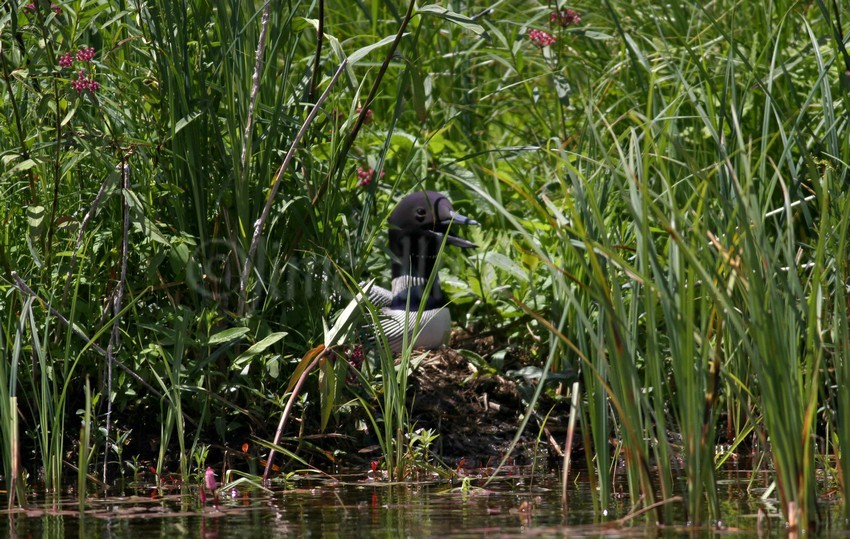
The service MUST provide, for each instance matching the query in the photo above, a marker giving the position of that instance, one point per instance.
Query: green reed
(85, 450)
(683, 215)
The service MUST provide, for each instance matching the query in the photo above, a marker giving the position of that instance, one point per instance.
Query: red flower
(66, 60)
(83, 83)
(366, 175)
(541, 38)
(85, 54)
(565, 17)
(31, 8)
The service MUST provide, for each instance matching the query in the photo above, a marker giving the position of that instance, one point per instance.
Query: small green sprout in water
(136, 466)
(421, 441)
(199, 455)
(122, 438)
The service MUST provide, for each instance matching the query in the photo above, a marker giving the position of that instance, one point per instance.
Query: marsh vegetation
(192, 192)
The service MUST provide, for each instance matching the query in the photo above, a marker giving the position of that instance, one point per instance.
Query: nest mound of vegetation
(476, 414)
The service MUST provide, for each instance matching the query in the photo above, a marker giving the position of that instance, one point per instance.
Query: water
(352, 506)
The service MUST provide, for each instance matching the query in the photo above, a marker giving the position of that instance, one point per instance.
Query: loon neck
(408, 288)
(413, 254)
(408, 293)
(414, 261)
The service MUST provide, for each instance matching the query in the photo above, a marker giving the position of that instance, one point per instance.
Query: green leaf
(336, 47)
(179, 255)
(245, 358)
(457, 18)
(505, 264)
(68, 116)
(22, 166)
(419, 93)
(35, 219)
(261, 346)
(359, 54)
(345, 318)
(300, 23)
(273, 367)
(562, 88)
(327, 390)
(228, 335)
(593, 34)
(140, 219)
(34, 252)
(186, 120)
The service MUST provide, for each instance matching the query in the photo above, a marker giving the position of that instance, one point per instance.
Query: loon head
(419, 226)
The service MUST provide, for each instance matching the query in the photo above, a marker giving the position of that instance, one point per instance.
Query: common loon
(419, 226)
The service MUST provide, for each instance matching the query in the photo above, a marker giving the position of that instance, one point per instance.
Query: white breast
(436, 331)
(434, 328)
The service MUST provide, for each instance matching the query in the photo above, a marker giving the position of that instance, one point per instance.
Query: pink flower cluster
(541, 38)
(366, 175)
(565, 17)
(31, 8)
(66, 60)
(85, 54)
(84, 83)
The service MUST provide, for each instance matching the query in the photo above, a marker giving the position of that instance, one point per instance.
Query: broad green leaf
(562, 88)
(35, 219)
(593, 34)
(505, 264)
(228, 335)
(244, 359)
(261, 346)
(68, 116)
(22, 166)
(186, 120)
(359, 54)
(327, 390)
(457, 18)
(140, 219)
(300, 23)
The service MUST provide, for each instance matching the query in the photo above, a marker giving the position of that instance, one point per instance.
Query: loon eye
(420, 214)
